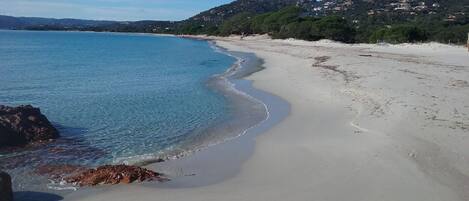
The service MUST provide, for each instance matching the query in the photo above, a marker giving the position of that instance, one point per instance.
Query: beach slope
(367, 123)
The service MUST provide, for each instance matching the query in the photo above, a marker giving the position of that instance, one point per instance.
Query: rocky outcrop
(114, 174)
(24, 124)
(6, 194)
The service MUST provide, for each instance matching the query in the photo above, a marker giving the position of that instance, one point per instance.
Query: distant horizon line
(104, 20)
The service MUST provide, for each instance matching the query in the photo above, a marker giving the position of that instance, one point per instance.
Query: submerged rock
(6, 193)
(114, 174)
(57, 172)
(24, 124)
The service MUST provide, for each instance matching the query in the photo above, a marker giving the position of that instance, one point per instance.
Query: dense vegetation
(288, 23)
(291, 22)
(393, 21)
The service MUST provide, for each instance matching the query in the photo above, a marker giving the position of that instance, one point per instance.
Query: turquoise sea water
(114, 96)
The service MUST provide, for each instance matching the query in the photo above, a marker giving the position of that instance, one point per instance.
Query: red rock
(24, 124)
(6, 194)
(114, 174)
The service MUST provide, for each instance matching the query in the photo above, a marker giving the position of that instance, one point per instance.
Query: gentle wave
(146, 159)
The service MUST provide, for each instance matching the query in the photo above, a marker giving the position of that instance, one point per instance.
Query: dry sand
(367, 123)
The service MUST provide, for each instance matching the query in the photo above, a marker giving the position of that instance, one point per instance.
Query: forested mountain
(218, 14)
(8, 22)
(363, 20)
(348, 8)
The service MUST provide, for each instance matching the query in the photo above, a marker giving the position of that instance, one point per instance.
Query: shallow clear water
(113, 96)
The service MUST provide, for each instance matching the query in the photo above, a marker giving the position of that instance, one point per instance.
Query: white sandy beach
(367, 123)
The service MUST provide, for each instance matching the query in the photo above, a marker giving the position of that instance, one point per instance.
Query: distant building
(467, 45)
(317, 8)
(421, 6)
(403, 6)
(450, 18)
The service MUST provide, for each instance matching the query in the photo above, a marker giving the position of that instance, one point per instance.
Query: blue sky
(108, 9)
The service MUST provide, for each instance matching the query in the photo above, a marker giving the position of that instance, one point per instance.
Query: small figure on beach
(467, 45)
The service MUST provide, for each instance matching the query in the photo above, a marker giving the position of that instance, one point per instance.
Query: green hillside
(393, 21)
